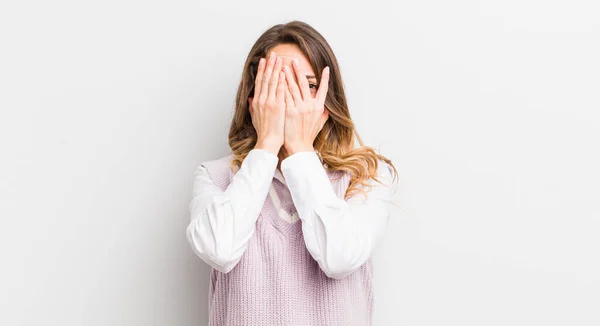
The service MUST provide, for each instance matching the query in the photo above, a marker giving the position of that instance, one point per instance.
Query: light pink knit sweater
(277, 282)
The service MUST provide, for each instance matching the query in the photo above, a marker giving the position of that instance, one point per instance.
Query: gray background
(489, 109)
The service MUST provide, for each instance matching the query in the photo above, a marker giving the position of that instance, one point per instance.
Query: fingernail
(296, 61)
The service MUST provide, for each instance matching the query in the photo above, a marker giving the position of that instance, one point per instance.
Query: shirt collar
(279, 176)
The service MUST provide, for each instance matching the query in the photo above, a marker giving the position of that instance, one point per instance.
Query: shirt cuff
(255, 174)
(307, 179)
(264, 154)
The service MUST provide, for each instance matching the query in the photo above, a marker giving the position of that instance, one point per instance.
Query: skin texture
(288, 110)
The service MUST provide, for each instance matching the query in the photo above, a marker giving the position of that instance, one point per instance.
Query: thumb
(323, 118)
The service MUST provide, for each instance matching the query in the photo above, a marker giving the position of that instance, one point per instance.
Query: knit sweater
(276, 281)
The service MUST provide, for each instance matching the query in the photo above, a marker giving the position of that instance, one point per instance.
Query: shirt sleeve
(222, 222)
(339, 234)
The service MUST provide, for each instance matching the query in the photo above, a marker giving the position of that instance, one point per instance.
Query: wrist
(295, 148)
(271, 145)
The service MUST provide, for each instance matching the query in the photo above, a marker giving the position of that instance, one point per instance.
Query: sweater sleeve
(222, 222)
(339, 234)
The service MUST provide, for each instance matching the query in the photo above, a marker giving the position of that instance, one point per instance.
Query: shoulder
(217, 162)
(385, 174)
(215, 168)
(383, 168)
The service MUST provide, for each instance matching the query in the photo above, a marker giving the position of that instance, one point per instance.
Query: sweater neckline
(274, 209)
(281, 211)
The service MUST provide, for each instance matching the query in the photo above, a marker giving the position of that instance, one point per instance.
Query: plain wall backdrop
(489, 109)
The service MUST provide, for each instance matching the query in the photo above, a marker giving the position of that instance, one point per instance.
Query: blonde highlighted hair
(335, 142)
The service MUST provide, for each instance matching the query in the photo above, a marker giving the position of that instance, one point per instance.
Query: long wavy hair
(335, 141)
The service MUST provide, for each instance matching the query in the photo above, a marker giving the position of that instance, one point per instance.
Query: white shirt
(339, 234)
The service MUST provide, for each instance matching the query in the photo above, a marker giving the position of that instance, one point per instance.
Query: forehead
(290, 51)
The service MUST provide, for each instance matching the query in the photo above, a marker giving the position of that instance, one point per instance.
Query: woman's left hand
(305, 115)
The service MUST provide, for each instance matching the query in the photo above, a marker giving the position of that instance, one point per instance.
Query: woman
(289, 219)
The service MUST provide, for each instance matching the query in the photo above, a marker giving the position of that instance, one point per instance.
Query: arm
(222, 222)
(339, 234)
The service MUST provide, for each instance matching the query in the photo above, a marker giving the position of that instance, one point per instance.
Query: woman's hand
(267, 107)
(305, 115)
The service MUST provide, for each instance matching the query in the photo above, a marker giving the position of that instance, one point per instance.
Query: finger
(323, 86)
(259, 76)
(292, 86)
(264, 91)
(280, 97)
(289, 98)
(324, 118)
(302, 81)
(273, 84)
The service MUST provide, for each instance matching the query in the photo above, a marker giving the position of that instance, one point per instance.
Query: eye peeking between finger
(313, 89)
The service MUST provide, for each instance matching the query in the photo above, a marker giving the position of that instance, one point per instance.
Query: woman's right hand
(267, 107)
